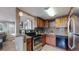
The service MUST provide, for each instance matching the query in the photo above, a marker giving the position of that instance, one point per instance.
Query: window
(8, 28)
(1, 28)
(11, 28)
(28, 24)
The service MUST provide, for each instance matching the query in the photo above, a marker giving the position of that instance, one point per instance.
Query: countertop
(61, 35)
(27, 36)
(24, 36)
(47, 34)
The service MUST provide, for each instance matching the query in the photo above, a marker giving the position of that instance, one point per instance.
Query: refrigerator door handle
(73, 36)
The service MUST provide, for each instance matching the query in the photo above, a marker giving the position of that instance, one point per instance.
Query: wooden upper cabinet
(57, 22)
(40, 22)
(47, 24)
(61, 22)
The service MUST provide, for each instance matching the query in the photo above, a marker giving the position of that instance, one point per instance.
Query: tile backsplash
(61, 31)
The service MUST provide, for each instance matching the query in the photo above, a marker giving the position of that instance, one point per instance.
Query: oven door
(37, 43)
(37, 40)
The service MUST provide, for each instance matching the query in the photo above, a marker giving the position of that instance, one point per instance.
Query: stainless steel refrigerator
(73, 32)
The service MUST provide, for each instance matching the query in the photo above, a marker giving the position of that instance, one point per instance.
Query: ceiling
(40, 11)
(7, 14)
(76, 11)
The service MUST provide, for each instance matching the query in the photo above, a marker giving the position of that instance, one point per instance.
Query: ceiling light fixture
(50, 11)
(20, 13)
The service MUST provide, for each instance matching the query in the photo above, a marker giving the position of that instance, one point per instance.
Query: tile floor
(50, 48)
(9, 45)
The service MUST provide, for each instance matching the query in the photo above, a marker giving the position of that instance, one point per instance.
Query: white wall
(7, 15)
(77, 25)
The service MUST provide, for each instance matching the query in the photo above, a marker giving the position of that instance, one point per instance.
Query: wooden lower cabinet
(29, 44)
(43, 39)
(51, 40)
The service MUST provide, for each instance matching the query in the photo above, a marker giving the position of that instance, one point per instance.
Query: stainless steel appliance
(62, 41)
(37, 45)
(73, 32)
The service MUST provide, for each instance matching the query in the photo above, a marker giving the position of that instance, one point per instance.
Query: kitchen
(51, 31)
(39, 29)
(45, 29)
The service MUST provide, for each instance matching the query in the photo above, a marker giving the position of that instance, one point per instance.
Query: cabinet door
(40, 22)
(29, 44)
(58, 22)
(64, 22)
(51, 40)
(47, 39)
(61, 22)
(43, 39)
(43, 23)
(46, 23)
